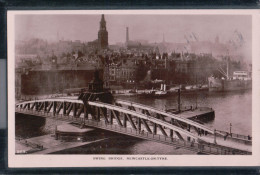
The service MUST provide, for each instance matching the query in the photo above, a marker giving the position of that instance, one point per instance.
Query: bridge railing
(207, 148)
(166, 114)
(238, 136)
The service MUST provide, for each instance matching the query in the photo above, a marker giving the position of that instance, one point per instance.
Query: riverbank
(47, 144)
(103, 142)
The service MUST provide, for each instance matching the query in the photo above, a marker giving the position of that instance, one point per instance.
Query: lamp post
(215, 140)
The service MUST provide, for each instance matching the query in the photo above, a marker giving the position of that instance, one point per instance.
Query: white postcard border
(172, 160)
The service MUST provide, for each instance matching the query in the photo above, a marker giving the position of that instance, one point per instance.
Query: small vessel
(156, 93)
(160, 93)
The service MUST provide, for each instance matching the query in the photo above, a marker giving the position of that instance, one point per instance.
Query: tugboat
(156, 93)
(160, 93)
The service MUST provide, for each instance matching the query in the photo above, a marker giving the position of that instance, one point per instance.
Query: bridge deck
(229, 143)
(196, 113)
(170, 115)
(204, 148)
(134, 113)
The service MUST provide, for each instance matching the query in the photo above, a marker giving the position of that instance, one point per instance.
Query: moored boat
(240, 81)
(155, 92)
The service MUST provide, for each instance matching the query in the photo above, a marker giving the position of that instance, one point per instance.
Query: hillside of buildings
(137, 63)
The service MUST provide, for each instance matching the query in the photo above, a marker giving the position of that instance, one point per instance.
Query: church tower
(102, 34)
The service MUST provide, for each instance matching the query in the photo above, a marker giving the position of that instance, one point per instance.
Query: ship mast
(227, 68)
(196, 91)
(226, 74)
(227, 63)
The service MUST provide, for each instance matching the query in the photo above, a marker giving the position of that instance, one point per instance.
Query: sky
(141, 27)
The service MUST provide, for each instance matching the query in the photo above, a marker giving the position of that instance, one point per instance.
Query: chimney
(127, 36)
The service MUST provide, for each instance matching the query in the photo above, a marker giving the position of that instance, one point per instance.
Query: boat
(156, 92)
(160, 93)
(241, 80)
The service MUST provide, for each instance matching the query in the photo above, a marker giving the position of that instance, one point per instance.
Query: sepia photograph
(131, 86)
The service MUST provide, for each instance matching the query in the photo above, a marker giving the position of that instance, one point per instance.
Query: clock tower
(102, 34)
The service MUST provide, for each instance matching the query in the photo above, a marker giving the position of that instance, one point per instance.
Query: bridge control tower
(96, 91)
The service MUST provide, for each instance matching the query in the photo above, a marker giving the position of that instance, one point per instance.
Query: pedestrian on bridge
(249, 137)
(225, 137)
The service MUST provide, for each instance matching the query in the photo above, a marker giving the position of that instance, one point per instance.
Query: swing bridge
(133, 119)
(97, 108)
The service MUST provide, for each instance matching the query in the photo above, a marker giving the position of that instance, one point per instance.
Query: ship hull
(156, 94)
(228, 85)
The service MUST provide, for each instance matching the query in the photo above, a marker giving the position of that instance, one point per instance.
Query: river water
(231, 107)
